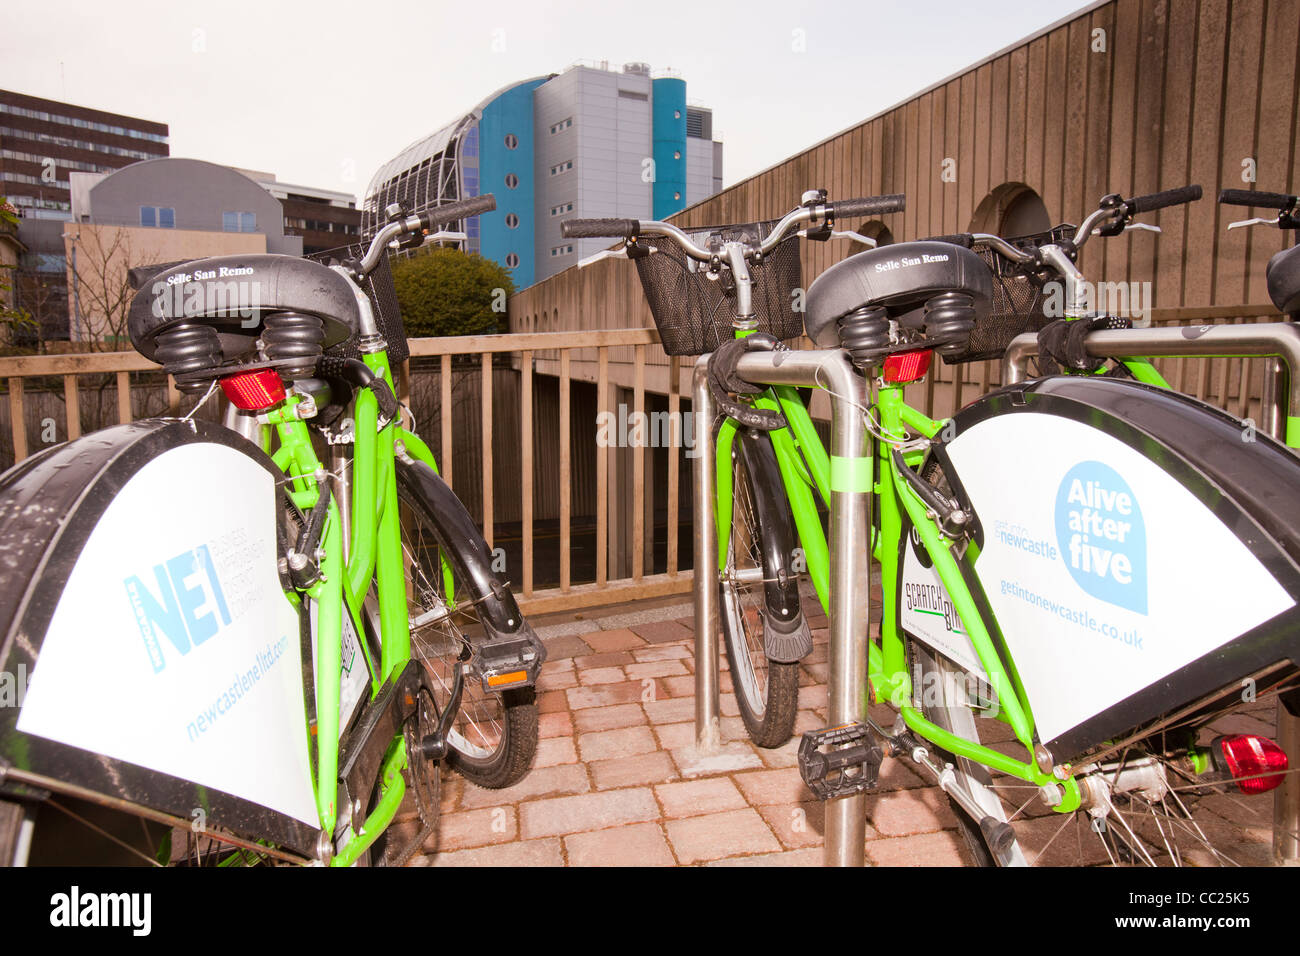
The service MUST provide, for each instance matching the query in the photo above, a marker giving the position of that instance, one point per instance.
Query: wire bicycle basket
(694, 312)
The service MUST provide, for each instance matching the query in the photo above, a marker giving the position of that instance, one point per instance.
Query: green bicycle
(271, 631)
(1041, 645)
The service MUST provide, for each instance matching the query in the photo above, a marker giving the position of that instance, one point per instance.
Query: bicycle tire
(767, 691)
(494, 737)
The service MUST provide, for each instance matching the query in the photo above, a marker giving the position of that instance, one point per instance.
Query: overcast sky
(322, 93)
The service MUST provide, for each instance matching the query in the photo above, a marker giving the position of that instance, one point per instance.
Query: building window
(162, 217)
(512, 221)
(562, 125)
(512, 141)
(561, 209)
(512, 260)
(512, 181)
(561, 167)
(561, 251)
(238, 222)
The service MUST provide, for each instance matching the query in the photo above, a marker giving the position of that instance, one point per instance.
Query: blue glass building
(590, 142)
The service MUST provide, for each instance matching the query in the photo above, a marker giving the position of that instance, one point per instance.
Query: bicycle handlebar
(871, 206)
(628, 229)
(460, 209)
(426, 221)
(1249, 197)
(600, 228)
(964, 239)
(1170, 197)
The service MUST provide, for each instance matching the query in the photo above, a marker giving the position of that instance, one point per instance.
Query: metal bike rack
(850, 516)
(1277, 340)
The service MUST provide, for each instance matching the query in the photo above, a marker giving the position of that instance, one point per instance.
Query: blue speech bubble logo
(1101, 535)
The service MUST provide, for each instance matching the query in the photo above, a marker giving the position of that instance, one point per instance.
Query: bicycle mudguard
(157, 659)
(512, 645)
(786, 637)
(1140, 554)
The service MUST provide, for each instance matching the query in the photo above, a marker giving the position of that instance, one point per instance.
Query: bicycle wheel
(494, 736)
(767, 691)
(1144, 804)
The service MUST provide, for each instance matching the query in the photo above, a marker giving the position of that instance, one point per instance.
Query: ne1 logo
(187, 606)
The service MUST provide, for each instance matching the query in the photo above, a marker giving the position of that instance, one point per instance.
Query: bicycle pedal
(840, 761)
(507, 664)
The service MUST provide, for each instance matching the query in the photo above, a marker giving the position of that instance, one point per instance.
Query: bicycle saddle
(1283, 278)
(900, 277)
(233, 294)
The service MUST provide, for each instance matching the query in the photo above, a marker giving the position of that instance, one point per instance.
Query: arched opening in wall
(877, 230)
(1013, 209)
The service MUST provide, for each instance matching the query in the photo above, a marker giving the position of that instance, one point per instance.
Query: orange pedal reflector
(512, 677)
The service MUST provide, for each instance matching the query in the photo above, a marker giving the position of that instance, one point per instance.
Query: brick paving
(616, 781)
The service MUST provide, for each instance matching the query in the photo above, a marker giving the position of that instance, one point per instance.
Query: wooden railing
(565, 349)
(590, 348)
(588, 356)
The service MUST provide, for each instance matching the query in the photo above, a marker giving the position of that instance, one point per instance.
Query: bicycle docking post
(707, 734)
(852, 479)
(850, 589)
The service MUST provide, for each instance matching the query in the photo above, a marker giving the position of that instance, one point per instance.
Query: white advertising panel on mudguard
(173, 646)
(1105, 574)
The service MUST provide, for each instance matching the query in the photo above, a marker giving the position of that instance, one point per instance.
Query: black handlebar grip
(455, 211)
(1170, 197)
(871, 206)
(1249, 197)
(600, 228)
(963, 239)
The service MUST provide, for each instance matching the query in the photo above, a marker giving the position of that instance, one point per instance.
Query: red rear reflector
(902, 367)
(254, 391)
(1256, 763)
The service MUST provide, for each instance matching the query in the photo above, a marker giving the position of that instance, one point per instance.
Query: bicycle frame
(374, 554)
(807, 468)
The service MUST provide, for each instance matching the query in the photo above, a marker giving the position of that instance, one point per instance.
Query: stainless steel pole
(850, 584)
(1278, 339)
(1286, 798)
(850, 587)
(707, 734)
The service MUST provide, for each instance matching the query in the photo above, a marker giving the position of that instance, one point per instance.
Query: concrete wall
(99, 296)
